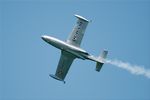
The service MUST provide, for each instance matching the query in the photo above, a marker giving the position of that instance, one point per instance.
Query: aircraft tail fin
(101, 61)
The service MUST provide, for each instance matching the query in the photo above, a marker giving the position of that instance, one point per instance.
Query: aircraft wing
(77, 33)
(64, 64)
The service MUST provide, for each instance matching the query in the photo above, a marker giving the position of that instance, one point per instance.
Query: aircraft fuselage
(70, 49)
(78, 52)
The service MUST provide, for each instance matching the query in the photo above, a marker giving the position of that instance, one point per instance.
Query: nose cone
(43, 37)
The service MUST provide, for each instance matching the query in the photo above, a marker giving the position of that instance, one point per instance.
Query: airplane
(70, 49)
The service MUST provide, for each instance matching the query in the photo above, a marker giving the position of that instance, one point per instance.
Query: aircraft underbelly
(79, 53)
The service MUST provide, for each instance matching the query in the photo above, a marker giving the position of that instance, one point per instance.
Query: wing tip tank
(80, 17)
(57, 78)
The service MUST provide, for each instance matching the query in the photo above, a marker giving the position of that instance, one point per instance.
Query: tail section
(101, 61)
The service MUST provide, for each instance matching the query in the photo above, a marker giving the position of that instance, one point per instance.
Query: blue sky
(121, 27)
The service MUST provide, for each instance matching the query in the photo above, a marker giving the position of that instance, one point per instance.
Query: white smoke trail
(134, 69)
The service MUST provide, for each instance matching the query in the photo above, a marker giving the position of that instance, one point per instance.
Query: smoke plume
(134, 69)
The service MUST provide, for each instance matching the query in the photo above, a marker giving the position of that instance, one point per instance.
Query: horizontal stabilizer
(98, 66)
(104, 54)
(102, 58)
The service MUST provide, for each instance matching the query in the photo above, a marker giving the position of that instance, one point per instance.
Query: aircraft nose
(43, 37)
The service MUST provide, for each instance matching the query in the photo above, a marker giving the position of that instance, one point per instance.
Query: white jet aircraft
(70, 49)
